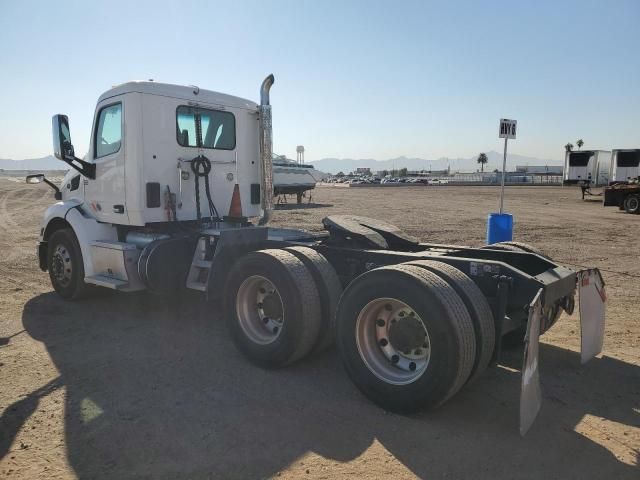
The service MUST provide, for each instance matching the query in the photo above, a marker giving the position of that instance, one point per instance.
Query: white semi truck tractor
(175, 193)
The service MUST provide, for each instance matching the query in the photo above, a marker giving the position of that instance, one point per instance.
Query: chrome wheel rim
(61, 265)
(260, 310)
(393, 341)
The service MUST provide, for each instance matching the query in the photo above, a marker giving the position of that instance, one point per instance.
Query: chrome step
(108, 282)
(200, 267)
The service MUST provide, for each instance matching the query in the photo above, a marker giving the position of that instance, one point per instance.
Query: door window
(108, 130)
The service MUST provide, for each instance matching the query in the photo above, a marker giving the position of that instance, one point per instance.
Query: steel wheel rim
(632, 203)
(393, 361)
(260, 310)
(61, 265)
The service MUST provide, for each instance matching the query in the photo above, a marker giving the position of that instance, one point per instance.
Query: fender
(86, 228)
(57, 210)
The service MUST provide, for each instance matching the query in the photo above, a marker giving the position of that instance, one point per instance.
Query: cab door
(105, 195)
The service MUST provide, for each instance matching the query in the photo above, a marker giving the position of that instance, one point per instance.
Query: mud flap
(593, 298)
(530, 393)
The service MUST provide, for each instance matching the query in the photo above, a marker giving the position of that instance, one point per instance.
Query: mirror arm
(58, 193)
(87, 169)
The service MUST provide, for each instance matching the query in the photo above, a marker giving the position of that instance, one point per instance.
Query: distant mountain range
(45, 163)
(346, 165)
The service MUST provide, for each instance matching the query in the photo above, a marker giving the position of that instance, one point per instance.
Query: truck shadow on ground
(156, 389)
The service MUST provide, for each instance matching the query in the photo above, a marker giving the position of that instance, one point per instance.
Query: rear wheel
(64, 263)
(632, 204)
(516, 247)
(329, 289)
(477, 306)
(272, 307)
(405, 337)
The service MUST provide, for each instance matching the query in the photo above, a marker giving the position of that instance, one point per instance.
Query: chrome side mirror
(37, 178)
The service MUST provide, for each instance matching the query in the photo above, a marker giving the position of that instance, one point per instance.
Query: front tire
(64, 263)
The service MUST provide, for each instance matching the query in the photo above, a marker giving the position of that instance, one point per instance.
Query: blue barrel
(499, 228)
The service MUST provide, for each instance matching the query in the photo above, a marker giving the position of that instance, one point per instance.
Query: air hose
(201, 167)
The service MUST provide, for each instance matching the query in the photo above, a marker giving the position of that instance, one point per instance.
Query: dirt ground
(129, 386)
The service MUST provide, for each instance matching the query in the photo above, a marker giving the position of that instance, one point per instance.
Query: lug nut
(259, 305)
(412, 366)
(265, 319)
(275, 330)
(262, 290)
(380, 322)
(384, 342)
(395, 359)
(401, 314)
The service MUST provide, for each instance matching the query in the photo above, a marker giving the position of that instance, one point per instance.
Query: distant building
(363, 171)
(540, 169)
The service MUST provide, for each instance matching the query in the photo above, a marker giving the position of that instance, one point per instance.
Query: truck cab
(162, 159)
(144, 138)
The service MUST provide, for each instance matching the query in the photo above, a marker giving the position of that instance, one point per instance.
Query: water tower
(300, 153)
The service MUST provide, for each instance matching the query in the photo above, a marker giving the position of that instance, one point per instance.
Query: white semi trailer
(176, 192)
(587, 169)
(625, 165)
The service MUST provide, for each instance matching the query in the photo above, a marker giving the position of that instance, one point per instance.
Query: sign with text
(508, 128)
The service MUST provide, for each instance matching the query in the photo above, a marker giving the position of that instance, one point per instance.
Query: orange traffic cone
(235, 209)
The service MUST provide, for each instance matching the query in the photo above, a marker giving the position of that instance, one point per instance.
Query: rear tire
(632, 204)
(405, 298)
(477, 306)
(329, 289)
(517, 247)
(64, 263)
(272, 307)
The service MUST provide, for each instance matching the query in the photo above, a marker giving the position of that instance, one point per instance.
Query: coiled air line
(201, 167)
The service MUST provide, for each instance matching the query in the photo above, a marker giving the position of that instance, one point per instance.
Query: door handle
(118, 209)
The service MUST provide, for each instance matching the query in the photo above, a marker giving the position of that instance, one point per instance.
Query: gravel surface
(133, 386)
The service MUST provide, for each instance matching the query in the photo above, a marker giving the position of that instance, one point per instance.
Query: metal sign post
(507, 131)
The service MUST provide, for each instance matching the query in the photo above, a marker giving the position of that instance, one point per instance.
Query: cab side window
(108, 136)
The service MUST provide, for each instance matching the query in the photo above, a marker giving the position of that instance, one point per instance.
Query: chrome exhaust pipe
(266, 150)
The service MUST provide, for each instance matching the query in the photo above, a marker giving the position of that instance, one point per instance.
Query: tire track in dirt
(18, 224)
(8, 277)
(12, 202)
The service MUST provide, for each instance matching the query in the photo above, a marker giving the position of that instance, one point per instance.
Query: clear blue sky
(358, 79)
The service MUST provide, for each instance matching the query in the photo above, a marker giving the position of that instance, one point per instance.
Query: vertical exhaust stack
(266, 160)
